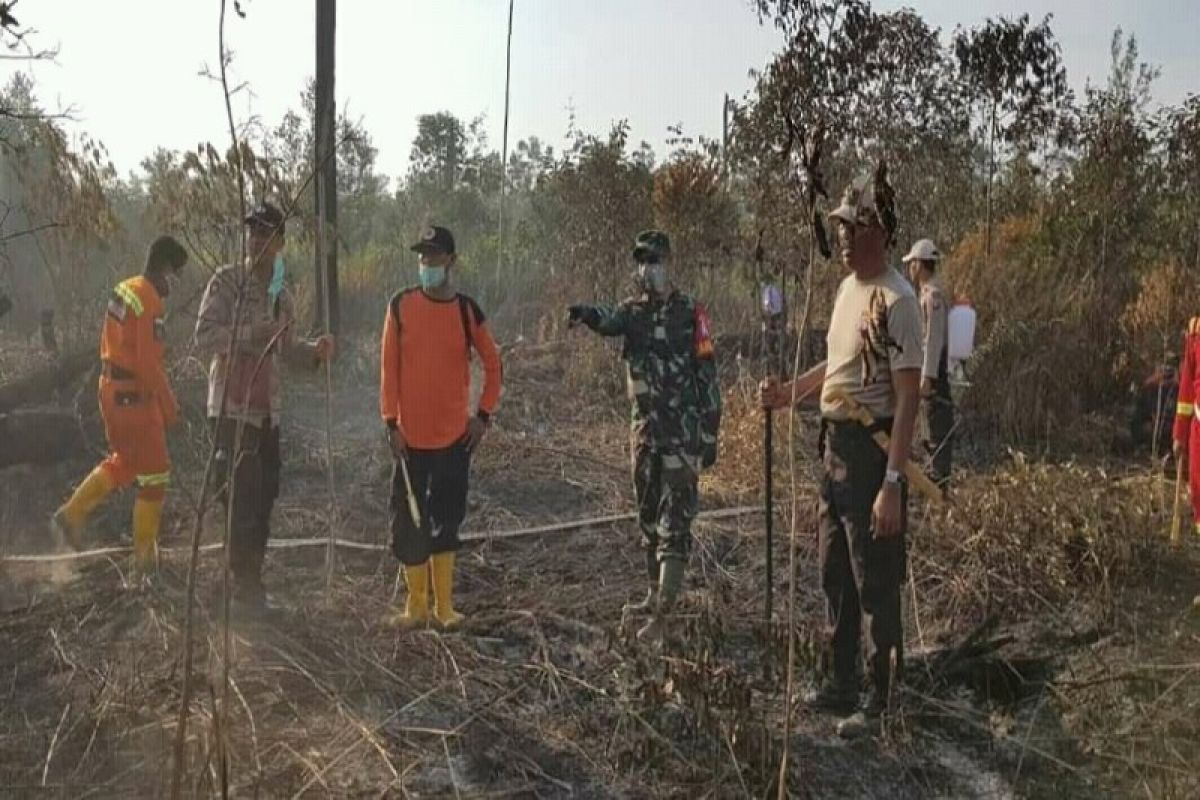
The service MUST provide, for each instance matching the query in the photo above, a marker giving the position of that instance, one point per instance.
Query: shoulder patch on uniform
(702, 338)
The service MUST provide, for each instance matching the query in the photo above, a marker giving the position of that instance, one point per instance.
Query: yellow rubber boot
(69, 520)
(147, 518)
(416, 606)
(443, 590)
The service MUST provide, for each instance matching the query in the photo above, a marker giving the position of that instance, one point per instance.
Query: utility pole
(504, 149)
(325, 166)
(725, 140)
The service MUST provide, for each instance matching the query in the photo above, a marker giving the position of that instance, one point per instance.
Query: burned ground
(1052, 650)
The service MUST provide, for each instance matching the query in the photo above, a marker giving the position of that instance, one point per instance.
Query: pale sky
(130, 67)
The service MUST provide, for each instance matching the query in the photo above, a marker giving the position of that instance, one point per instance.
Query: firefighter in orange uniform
(136, 403)
(1186, 435)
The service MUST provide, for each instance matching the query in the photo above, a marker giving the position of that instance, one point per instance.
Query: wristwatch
(893, 477)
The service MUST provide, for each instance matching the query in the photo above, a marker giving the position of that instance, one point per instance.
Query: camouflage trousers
(668, 496)
(861, 575)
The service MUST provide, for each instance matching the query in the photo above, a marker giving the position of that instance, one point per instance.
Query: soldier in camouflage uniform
(672, 378)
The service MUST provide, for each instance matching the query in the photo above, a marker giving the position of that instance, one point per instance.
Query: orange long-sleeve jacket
(425, 374)
(132, 340)
(1185, 407)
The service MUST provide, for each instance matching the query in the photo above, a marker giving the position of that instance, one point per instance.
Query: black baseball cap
(265, 215)
(435, 239)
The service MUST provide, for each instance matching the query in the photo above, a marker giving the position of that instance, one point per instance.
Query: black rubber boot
(833, 697)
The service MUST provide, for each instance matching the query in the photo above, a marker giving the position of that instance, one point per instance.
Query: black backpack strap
(470, 312)
(394, 305)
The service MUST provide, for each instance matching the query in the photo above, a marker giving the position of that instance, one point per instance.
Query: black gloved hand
(709, 456)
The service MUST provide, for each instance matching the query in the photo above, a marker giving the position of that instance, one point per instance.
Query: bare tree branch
(29, 231)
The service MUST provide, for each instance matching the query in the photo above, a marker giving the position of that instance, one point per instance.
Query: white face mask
(653, 277)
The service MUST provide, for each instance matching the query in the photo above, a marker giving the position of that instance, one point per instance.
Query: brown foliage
(1167, 297)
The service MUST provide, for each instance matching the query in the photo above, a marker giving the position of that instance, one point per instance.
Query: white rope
(292, 544)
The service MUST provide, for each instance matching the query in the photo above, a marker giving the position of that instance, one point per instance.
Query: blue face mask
(431, 277)
(276, 285)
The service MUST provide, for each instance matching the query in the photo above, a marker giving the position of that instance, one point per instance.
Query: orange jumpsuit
(1186, 432)
(136, 400)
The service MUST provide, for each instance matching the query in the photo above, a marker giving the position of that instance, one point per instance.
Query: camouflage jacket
(672, 371)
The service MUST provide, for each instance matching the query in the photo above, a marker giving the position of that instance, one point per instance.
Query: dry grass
(545, 694)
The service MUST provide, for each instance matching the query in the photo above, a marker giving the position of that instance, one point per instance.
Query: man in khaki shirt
(875, 356)
(248, 472)
(937, 406)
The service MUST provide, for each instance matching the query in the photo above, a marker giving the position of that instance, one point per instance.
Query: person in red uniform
(1186, 435)
(425, 381)
(136, 403)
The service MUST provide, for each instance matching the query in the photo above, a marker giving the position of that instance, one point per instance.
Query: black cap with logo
(435, 239)
(265, 215)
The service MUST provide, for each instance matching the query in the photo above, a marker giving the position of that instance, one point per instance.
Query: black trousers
(249, 480)
(939, 417)
(861, 575)
(439, 482)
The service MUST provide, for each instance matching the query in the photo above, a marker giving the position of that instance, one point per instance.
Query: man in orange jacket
(1186, 434)
(136, 403)
(429, 332)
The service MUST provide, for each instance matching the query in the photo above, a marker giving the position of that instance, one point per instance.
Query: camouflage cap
(856, 206)
(651, 243)
(869, 199)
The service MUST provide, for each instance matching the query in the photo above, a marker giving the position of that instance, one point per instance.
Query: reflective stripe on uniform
(130, 297)
(154, 479)
(1184, 409)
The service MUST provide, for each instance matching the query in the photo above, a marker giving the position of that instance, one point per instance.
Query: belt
(884, 425)
(111, 370)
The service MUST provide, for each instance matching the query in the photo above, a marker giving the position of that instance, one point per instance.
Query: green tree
(439, 151)
(1014, 76)
(1179, 140)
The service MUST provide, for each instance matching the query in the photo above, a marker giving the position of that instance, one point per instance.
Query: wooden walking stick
(768, 453)
(769, 504)
(414, 508)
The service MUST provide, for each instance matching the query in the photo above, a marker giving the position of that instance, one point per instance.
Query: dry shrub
(1167, 297)
(738, 473)
(1033, 538)
(1074, 561)
(1046, 342)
